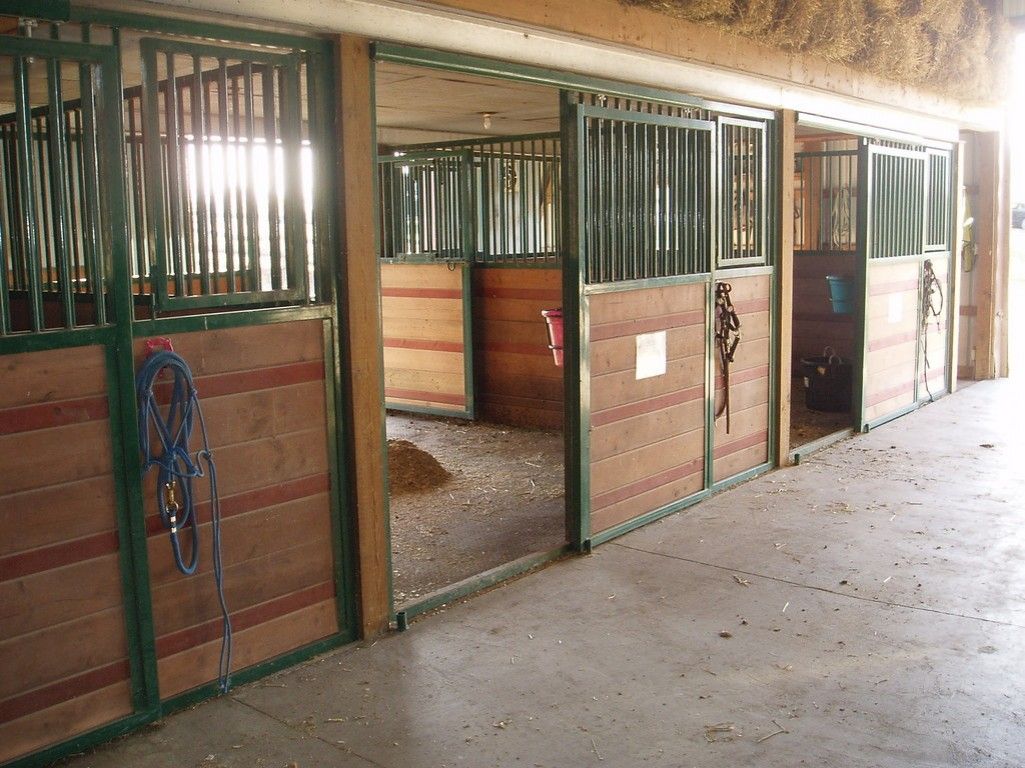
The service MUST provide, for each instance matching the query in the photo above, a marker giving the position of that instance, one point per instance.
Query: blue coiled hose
(176, 470)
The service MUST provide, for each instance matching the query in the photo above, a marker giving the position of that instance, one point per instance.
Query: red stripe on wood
(194, 636)
(63, 690)
(889, 393)
(516, 349)
(430, 397)
(432, 346)
(751, 306)
(423, 293)
(629, 410)
(57, 555)
(237, 382)
(968, 310)
(897, 286)
(892, 341)
(546, 294)
(26, 418)
(647, 325)
(741, 377)
(630, 490)
(740, 444)
(260, 498)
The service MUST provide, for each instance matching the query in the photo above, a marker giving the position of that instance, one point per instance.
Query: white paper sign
(896, 308)
(651, 355)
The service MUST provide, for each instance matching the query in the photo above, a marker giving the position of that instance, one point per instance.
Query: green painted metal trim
(257, 671)
(899, 259)
(469, 378)
(429, 410)
(742, 477)
(341, 535)
(799, 454)
(647, 118)
(537, 264)
(649, 517)
(476, 141)
(714, 209)
(49, 10)
(892, 416)
(58, 339)
(576, 329)
(60, 49)
(458, 62)
(650, 282)
(82, 742)
(203, 29)
(833, 125)
(235, 319)
(860, 341)
(730, 272)
(478, 583)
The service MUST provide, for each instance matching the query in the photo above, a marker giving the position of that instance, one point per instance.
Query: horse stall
(469, 247)
(163, 192)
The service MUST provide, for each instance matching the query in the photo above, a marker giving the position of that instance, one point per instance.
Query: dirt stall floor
(807, 425)
(503, 498)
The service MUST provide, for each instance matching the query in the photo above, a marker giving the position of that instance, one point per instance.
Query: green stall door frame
(426, 215)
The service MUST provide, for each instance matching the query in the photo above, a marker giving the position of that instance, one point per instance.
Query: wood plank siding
(423, 327)
(63, 644)
(891, 319)
(648, 435)
(262, 390)
(747, 444)
(517, 381)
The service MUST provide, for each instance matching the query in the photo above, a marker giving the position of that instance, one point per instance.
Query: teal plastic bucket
(841, 294)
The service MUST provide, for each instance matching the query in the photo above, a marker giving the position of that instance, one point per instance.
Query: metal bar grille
(826, 194)
(743, 178)
(511, 188)
(938, 202)
(897, 209)
(230, 214)
(50, 232)
(649, 194)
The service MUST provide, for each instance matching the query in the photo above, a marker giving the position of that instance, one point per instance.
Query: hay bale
(957, 47)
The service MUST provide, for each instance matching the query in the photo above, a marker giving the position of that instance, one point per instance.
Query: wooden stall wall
(891, 336)
(263, 393)
(932, 365)
(746, 446)
(63, 644)
(815, 325)
(647, 443)
(424, 329)
(517, 381)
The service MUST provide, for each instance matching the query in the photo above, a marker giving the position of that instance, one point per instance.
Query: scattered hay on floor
(412, 470)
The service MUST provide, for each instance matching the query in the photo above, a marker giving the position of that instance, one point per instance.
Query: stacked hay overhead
(956, 47)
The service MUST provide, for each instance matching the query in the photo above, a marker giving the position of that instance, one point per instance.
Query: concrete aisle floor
(873, 597)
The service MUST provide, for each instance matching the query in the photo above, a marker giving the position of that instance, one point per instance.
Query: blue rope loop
(176, 469)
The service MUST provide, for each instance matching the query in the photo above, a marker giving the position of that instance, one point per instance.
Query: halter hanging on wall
(727, 338)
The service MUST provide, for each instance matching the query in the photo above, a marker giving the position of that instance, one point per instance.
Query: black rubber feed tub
(827, 383)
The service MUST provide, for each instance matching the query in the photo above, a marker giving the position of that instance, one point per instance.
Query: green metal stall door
(65, 403)
(905, 278)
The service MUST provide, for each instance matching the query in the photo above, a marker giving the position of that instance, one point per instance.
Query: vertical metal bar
(26, 178)
(7, 251)
(270, 110)
(238, 155)
(205, 251)
(295, 218)
(94, 264)
(58, 202)
(222, 121)
(138, 199)
(47, 266)
(254, 250)
(73, 158)
(180, 231)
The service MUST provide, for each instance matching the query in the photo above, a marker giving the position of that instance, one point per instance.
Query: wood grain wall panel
(267, 419)
(746, 445)
(423, 329)
(892, 333)
(63, 642)
(815, 325)
(648, 435)
(517, 381)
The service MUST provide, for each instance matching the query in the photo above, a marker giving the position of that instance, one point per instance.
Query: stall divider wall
(145, 638)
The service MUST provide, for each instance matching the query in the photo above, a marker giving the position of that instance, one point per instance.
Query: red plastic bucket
(554, 319)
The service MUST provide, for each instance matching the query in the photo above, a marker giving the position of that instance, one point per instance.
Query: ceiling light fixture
(486, 119)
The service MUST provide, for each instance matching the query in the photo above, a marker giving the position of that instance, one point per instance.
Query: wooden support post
(361, 313)
(993, 245)
(785, 282)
